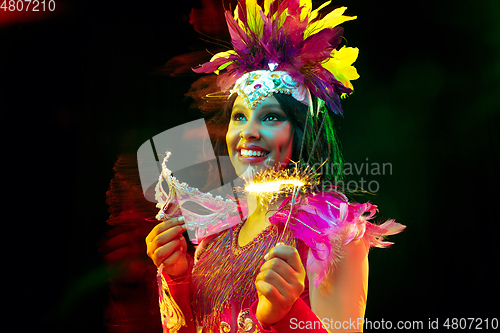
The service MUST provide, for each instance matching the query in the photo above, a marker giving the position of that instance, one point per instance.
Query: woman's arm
(340, 300)
(167, 248)
(175, 305)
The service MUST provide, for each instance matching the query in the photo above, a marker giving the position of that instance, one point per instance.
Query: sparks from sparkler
(270, 184)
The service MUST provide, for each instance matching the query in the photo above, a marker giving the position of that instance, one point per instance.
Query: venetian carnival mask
(223, 213)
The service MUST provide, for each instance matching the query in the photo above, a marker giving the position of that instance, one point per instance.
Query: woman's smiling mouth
(252, 154)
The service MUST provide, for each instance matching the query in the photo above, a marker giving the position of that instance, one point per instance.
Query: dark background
(81, 85)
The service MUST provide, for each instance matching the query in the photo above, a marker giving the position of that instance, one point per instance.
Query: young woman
(259, 275)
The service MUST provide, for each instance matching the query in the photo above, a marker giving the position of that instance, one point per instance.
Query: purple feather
(238, 36)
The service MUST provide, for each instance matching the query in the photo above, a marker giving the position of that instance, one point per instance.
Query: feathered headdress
(289, 39)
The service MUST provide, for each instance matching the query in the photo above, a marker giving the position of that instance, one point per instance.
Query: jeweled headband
(285, 47)
(255, 86)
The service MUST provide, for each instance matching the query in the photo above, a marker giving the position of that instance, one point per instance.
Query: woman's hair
(314, 148)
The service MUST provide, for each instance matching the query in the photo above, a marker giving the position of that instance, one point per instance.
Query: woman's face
(260, 138)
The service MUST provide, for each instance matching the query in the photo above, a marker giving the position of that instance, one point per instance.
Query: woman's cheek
(286, 145)
(231, 140)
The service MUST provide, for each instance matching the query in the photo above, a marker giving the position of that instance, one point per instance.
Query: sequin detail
(224, 327)
(224, 276)
(245, 322)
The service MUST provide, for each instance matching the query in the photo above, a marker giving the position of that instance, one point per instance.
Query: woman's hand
(279, 284)
(166, 244)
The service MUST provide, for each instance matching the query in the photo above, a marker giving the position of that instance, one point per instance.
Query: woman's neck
(258, 218)
(259, 207)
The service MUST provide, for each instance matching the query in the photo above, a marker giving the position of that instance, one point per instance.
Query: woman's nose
(250, 131)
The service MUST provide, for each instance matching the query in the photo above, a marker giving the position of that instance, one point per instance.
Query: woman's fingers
(284, 271)
(282, 268)
(289, 255)
(172, 226)
(170, 253)
(167, 236)
(166, 225)
(163, 253)
(166, 245)
(269, 291)
(165, 239)
(276, 280)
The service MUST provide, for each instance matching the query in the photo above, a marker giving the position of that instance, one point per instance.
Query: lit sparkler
(270, 184)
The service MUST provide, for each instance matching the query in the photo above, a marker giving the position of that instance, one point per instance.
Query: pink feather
(326, 222)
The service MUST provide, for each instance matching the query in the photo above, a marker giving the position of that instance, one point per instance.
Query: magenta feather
(238, 36)
(326, 222)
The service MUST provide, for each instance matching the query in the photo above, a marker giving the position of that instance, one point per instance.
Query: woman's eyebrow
(274, 107)
(265, 108)
(238, 107)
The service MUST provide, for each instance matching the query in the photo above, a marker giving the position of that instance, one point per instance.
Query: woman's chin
(248, 171)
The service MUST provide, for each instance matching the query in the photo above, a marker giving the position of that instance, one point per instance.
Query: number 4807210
(28, 5)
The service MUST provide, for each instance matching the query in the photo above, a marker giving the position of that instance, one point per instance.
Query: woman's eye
(271, 117)
(238, 117)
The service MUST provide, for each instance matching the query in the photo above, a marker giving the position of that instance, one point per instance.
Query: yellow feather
(254, 20)
(267, 6)
(351, 73)
(306, 8)
(337, 12)
(315, 12)
(329, 21)
(346, 56)
(226, 55)
(237, 19)
(340, 65)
